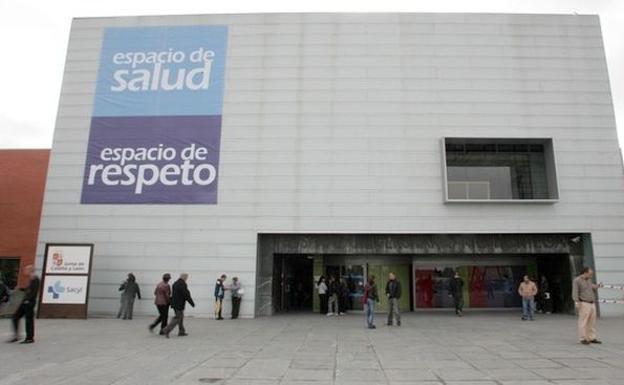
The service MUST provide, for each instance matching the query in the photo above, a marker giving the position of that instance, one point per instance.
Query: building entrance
(350, 279)
(491, 265)
(352, 271)
(553, 279)
(294, 283)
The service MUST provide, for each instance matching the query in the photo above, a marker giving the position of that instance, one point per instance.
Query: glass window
(505, 169)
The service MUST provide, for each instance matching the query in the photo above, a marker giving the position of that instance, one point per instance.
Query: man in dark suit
(179, 297)
(27, 308)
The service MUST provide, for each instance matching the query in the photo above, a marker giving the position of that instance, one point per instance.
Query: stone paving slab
(429, 349)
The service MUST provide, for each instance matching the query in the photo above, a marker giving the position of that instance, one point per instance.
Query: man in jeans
(393, 292)
(179, 297)
(585, 301)
(528, 291)
(369, 299)
(219, 294)
(332, 295)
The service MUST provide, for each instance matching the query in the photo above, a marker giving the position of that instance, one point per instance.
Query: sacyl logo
(56, 290)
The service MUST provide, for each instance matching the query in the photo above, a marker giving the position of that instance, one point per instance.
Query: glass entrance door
(351, 278)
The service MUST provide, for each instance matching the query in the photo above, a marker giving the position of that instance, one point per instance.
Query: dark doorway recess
(293, 283)
(556, 270)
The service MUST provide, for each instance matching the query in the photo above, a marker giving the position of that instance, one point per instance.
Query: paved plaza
(430, 348)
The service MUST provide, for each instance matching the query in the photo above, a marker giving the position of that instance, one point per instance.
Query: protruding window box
(499, 170)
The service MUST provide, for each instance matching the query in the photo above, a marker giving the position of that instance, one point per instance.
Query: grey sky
(34, 35)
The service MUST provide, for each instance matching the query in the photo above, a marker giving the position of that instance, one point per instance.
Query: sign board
(69, 289)
(156, 125)
(65, 282)
(64, 259)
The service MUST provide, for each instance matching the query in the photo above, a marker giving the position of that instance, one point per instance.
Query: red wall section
(22, 183)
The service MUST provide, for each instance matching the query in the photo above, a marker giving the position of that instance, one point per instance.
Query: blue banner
(156, 125)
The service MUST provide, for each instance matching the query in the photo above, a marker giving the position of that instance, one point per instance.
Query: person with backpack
(129, 291)
(370, 298)
(393, 292)
(219, 294)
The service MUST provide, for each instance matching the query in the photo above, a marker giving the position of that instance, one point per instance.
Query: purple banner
(163, 159)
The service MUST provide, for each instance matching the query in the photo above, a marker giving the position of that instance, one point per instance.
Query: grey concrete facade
(332, 123)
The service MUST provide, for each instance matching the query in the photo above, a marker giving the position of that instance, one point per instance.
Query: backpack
(365, 296)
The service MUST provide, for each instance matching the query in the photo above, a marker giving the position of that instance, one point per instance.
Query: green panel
(463, 273)
(377, 271)
(403, 275)
(532, 271)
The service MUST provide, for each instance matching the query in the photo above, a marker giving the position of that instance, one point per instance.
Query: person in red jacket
(162, 302)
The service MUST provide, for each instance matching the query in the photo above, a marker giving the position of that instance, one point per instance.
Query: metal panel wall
(332, 123)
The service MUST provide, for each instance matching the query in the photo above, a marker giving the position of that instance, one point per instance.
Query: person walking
(456, 290)
(393, 292)
(322, 292)
(332, 295)
(27, 308)
(162, 301)
(584, 296)
(528, 291)
(219, 294)
(370, 298)
(129, 291)
(237, 295)
(179, 297)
